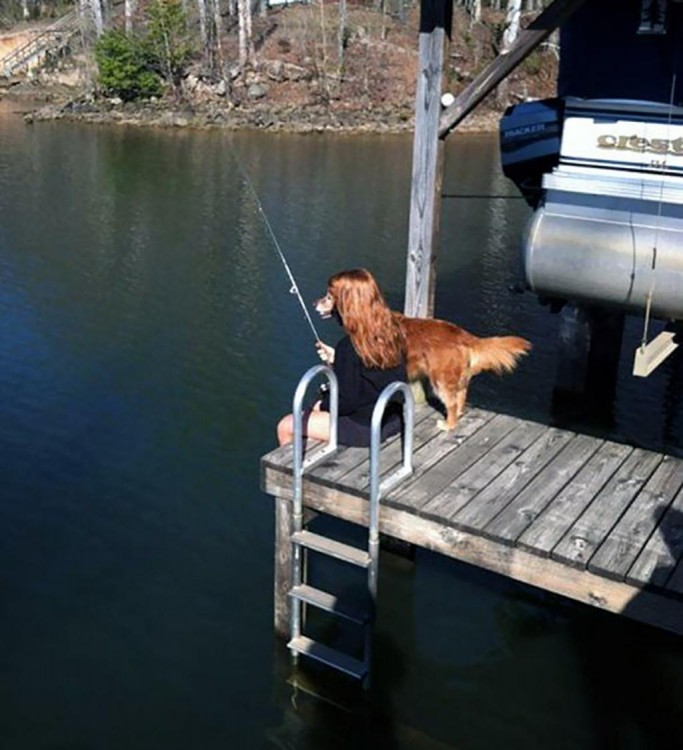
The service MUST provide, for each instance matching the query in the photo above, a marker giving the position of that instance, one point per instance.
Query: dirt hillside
(299, 81)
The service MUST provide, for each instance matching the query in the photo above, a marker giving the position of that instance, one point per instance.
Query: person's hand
(325, 352)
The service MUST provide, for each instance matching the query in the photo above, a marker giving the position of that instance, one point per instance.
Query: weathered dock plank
(552, 525)
(464, 487)
(485, 506)
(618, 552)
(658, 558)
(592, 527)
(520, 513)
(424, 436)
(435, 471)
(350, 461)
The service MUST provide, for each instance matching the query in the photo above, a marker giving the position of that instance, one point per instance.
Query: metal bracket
(649, 357)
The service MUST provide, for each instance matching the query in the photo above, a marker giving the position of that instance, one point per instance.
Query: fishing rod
(294, 289)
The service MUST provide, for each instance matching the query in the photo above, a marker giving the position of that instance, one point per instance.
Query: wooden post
(428, 156)
(283, 566)
(574, 345)
(588, 362)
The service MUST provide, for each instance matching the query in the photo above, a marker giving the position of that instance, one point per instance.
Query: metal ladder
(301, 593)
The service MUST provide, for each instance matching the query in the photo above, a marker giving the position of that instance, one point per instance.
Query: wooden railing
(51, 39)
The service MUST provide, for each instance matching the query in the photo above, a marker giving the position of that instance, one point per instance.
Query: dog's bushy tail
(498, 354)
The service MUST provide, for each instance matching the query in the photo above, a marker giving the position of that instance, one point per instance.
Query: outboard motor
(530, 144)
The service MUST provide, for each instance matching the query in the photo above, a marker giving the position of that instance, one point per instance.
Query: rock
(191, 82)
(276, 70)
(256, 91)
(116, 101)
(220, 89)
(296, 72)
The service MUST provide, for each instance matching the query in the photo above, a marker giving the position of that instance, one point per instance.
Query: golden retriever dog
(447, 355)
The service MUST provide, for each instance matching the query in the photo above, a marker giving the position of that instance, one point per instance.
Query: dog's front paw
(443, 425)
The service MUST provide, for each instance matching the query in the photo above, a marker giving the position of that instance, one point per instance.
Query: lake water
(148, 343)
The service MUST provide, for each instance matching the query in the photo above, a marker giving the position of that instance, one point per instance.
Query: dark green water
(148, 344)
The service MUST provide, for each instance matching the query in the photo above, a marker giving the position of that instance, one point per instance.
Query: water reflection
(147, 343)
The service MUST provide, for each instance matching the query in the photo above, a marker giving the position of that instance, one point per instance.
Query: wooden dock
(590, 519)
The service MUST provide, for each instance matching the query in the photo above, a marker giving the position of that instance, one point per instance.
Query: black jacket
(360, 386)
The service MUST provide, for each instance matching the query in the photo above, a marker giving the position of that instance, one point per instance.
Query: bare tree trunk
(129, 9)
(512, 21)
(24, 9)
(218, 23)
(250, 34)
(98, 16)
(323, 67)
(203, 30)
(246, 39)
(341, 41)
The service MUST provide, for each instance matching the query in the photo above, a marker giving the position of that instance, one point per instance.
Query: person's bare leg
(316, 427)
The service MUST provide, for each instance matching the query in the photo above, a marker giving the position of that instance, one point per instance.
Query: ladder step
(330, 603)
(333, 548)
(330, 656)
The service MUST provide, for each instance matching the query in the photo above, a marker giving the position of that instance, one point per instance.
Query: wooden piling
(283, 566)
(428, 158)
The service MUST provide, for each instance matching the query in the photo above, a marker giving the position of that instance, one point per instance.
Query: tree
(512, 21)
(341, 40)
(246, 40)
(166, 44)
(218, 33)
(129, 9)
(97, 16)
(124, 71)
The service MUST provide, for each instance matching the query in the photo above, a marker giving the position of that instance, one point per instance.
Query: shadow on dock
(635, 688)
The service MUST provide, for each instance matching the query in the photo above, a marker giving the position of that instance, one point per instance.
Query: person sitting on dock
(365, 361)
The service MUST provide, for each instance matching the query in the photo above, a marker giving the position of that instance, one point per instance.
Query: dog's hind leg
(453, 397)
(418, 389)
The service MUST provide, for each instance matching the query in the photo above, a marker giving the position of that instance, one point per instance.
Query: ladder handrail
(297, 413)
(300, 467)
(377, 488)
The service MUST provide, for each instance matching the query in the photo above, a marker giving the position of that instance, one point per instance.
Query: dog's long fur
(449, 356)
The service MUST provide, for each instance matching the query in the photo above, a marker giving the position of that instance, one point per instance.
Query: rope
(653, 284)
(294, 289)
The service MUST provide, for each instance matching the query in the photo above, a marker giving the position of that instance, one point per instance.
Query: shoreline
(311, 119)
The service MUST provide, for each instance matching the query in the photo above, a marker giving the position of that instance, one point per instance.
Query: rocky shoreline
(45, 102)
(289, 119)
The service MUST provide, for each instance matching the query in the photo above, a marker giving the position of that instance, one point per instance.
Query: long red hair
(374, 331)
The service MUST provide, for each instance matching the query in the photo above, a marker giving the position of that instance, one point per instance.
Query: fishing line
(294, 289)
